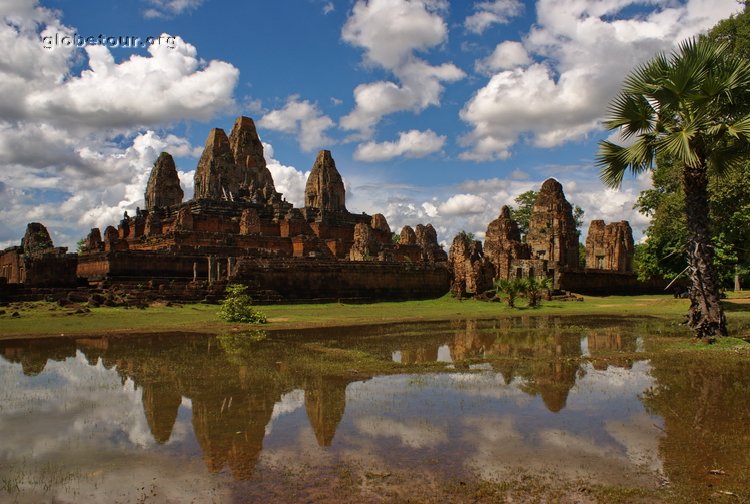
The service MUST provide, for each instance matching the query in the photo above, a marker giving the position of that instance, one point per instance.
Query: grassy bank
(48, 319)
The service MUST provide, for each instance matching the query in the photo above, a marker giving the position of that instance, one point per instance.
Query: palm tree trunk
(706, 316)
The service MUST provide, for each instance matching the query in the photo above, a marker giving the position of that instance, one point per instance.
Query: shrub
(237, 306)
(533, 288)
(508, 290)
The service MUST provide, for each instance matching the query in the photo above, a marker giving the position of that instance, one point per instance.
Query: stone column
(211, 267)
(230, 266)
(195, 272)
(218, 270)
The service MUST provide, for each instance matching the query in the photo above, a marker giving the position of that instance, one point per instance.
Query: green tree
(581, 255)
(735, 32)
(664, 254)
(525, 204)
(692, 106)
(237, 306)
(467, 234)
(522, 212)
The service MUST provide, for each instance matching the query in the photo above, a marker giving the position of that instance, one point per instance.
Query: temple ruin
(37, 262)
(550, 250)
(610, 246)
(239, 228)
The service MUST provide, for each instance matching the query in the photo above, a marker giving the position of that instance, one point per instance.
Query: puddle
(539, 405)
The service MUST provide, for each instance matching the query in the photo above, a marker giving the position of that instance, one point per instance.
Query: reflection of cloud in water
(299, 447)
(640, 437)
(601, 449)
(82, 424)
(418, 434)
(444, 354)
(289, 403)
(611, 384)
(490, 386)
(81, 400)
(501, 451)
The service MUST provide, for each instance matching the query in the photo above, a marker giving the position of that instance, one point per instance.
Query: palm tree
(693, 106)
(533, 288)
(509, 289)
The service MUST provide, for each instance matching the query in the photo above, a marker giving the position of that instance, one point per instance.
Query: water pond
(523, 410)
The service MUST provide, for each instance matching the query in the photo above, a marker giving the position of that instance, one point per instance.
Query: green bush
(508, 289)
(237, 306)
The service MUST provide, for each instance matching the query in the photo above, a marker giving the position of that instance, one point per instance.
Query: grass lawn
(48, 319)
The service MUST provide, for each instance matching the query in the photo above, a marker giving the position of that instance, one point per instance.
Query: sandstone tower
(163, 188)
(552, 229)
(325, 188)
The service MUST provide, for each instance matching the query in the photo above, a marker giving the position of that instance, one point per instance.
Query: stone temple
(550, 250)
(239, 228)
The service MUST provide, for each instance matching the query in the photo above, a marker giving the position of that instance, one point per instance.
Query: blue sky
(435, 111)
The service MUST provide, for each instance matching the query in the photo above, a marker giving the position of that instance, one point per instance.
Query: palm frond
(740, 129)
(615, 160)
(632, 113)
(678, 145)
(693, 105)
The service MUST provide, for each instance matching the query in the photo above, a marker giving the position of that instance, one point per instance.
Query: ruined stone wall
(51, 270)
(311, 279)
(531, 268)
(310, 246)
(194, 243)
(140, 264)
(11, 265)
(332, 231)
(215, 224)
(93, 266)
(599, 282)
(407, 253)
(610, 247)
(295, 227)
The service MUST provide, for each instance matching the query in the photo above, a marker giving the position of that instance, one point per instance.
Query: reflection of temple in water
(234, 382)
(420, 355)
(32, 360)
(602, 343)
(325, 400)
(232, 403)
(542, 351)
(161, 403)
(230, 428)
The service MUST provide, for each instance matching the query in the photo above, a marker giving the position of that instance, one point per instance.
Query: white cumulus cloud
(463, 204)
(302, 119)
(391, 32)
(412, 144)
(79, 132)
(288, 180)
(507, 55)
(170, 8)
(583, 50)
(494, 12)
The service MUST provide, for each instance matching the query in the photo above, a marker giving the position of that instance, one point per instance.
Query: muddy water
(566, 409)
